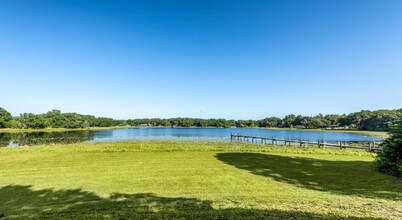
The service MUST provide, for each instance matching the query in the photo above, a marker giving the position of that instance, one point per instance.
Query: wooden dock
(302, 143)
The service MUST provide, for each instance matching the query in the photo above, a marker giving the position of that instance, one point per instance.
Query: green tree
(241, 123)
(390, 159)
(104, 122)
(5, 118)
(289, 120)
(14, 124)
(54, 118)
(29, 120)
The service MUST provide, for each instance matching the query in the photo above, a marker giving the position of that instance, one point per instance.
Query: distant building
(299, 126)
(332, 127)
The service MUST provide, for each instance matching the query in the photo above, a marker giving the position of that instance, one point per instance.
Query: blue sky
(226, 59)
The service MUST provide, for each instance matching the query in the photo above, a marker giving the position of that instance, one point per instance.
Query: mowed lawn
(193, 180)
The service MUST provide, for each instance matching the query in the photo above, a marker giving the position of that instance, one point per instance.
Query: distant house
(352, 126)
(145, 125)
(299, 126)
(337, 126)
(332, 127)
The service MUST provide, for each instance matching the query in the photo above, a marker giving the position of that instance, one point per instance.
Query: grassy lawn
(193, 180)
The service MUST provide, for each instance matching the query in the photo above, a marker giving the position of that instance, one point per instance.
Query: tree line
(55, 119)
(379, 120)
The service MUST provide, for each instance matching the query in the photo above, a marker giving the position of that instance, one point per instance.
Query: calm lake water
(35, 138)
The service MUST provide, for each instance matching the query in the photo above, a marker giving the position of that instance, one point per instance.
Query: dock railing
(372, 146)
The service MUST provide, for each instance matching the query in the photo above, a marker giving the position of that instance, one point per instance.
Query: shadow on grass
(21, 202)
(340, 177)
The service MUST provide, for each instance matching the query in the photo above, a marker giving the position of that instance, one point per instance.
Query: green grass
(193, 180)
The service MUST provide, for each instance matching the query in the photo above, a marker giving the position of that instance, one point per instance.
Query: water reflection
(40, 138)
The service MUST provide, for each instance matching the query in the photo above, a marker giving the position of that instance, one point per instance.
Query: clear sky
(230, 59)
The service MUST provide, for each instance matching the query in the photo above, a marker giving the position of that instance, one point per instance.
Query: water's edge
(39, 138)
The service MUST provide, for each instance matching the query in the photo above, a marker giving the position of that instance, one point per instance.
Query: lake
(37, 138)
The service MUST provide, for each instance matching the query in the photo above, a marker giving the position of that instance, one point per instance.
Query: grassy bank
(197, 180)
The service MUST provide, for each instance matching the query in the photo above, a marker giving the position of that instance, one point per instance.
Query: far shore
(379, 134)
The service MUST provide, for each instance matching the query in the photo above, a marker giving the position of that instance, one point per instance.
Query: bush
(389, 161)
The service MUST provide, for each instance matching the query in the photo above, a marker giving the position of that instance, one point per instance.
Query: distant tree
(252, 124)
(73, 120)
(165, 123)
(90, 119)
(29, 120)
(14, 123)
(104, 122)
(54, 118)
(317, 122)
(185, 122)
(241, 123)
(222, 123)
(333, 119)
(298, 120)
(174, 122)
(381, 120)
(5, 118)
(289, 120)
(390, 159)
(273, 121)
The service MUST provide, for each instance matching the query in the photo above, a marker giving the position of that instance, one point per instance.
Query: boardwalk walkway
(302, 143)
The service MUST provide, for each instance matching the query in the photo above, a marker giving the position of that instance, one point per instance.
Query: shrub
(389, 161)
